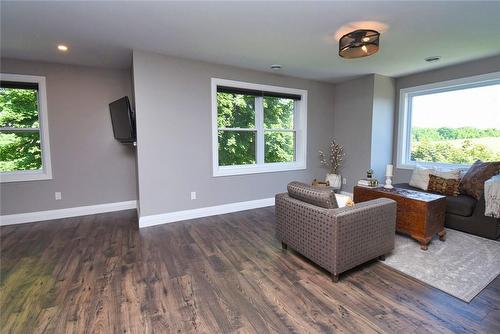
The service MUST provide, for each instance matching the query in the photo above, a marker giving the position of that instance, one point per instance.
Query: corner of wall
(363, 122)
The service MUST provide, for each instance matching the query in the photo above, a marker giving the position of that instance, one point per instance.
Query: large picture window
(450, 123)
(24, 142)
(257, 128)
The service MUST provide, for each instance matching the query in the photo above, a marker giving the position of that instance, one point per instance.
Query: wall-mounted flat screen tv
(123, 120)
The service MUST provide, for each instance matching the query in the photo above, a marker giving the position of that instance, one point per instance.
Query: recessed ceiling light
(62, 47)
(275, 67)
(432, 59)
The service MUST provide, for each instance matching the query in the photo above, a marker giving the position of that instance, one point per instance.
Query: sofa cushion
(420, 177)
(320, 196)
(461, 205)
(441, 185)
(472, 183)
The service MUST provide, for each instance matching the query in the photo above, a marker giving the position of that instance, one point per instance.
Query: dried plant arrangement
(334, 164)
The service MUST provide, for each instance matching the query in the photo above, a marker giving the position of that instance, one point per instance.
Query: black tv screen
(123, 120)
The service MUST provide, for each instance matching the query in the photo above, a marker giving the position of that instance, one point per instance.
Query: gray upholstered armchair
(308, 220)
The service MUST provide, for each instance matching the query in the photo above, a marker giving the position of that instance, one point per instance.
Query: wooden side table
(419, 214)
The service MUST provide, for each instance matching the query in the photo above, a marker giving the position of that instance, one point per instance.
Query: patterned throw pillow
(472, 183)
(448, 187)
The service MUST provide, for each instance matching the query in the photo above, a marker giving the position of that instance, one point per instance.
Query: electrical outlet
(193, 195)
(58, 195)
(344, 180)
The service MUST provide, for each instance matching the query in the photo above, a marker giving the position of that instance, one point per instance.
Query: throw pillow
(420, 177)
(472, 183)
(462, 172)
(319, 196)
(448, 187)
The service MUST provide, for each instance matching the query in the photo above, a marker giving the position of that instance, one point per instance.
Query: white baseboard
(144, 221)
(30, 217)
(175, 216)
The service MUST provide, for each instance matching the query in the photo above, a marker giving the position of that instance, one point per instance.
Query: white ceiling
(298, 35)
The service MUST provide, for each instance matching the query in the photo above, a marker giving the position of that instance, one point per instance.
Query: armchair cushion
(322, 197)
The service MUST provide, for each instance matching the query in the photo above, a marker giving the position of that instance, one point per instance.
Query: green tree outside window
(455, 145)
(19, 130)
(237, 129)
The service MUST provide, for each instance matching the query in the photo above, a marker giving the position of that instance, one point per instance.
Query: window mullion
(297, 134)
(280, 130)
(259, 126)
(236, 129)
(20, 130)
(409, 120)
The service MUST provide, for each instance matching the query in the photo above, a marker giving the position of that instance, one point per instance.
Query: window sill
(411, 166)
(22, 176)
(257, 169)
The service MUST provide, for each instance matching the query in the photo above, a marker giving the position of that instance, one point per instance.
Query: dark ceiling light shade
(359, 43)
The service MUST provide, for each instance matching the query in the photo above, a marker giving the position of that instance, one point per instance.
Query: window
(24, 136)
(257, 128)
(450, 123)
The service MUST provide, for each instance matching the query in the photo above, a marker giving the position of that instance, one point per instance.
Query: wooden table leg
(424, 242)
(442, 235)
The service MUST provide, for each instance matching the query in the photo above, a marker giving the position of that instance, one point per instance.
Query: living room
(161, 167)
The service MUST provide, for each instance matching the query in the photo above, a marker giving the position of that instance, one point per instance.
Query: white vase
(335, 180)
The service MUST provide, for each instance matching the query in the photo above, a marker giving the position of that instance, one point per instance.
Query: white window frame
(46, 172)
(300, 127)
(403, 159)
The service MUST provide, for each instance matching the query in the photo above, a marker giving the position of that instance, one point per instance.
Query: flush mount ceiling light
(359, 43)
(62, 47)
(275, 67)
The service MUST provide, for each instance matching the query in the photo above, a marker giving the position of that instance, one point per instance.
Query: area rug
(461, 266)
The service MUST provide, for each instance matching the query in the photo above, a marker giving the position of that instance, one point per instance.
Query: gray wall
(88, 166)
(478, 67)
(352, 121)
(382, 124)
(363, 123)
(174, 134)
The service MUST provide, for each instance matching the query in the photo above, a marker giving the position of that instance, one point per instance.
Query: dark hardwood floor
(221, 274)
